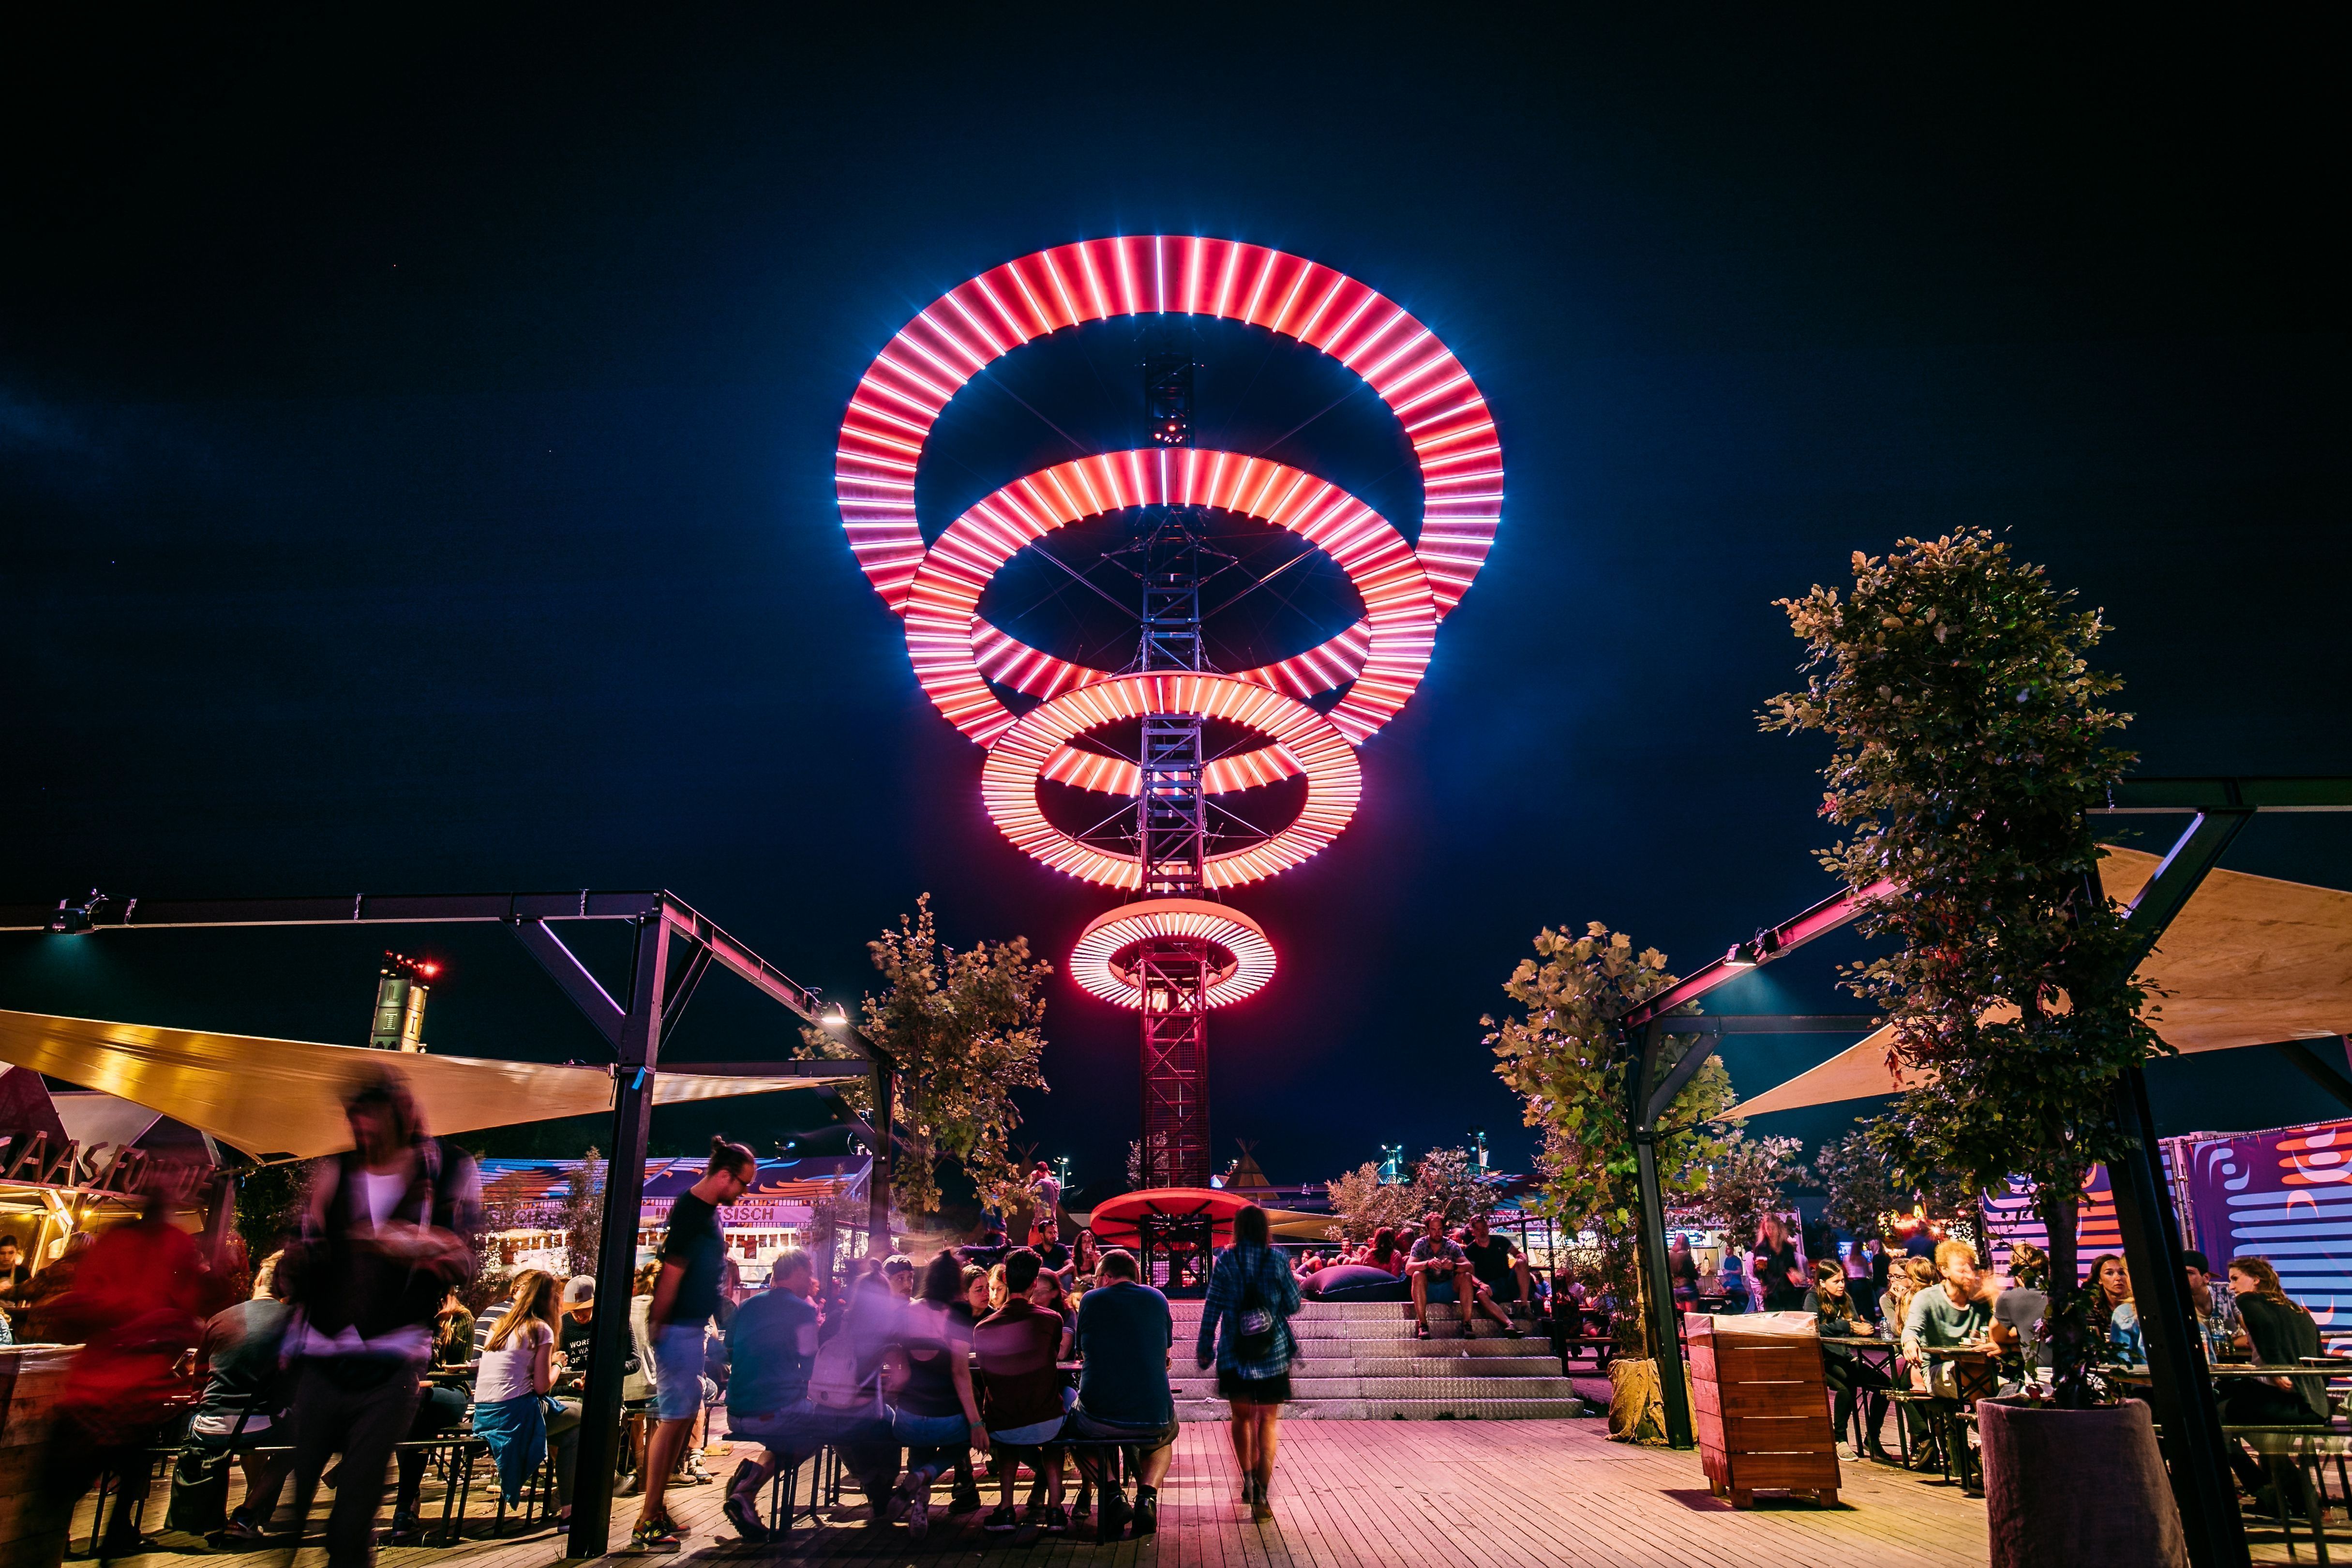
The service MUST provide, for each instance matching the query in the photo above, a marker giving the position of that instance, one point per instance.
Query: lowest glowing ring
(1248, 964)
(1335, 780)
(944, 632)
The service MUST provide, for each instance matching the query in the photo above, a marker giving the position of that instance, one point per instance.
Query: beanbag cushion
(1354, 1282)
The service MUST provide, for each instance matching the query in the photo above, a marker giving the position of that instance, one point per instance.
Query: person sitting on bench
(771, 1346)
(1124, 1335)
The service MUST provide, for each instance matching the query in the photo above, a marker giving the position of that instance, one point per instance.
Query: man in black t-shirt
(686, 1294)
(1498, 1265)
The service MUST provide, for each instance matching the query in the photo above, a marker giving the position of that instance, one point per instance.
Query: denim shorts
(1036, 1432)
(677, 1372)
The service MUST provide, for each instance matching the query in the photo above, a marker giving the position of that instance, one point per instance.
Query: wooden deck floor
(1370, 1494)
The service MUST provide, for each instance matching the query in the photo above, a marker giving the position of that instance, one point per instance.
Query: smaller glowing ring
(1335, 778)
(942, 605)
(1114, 931)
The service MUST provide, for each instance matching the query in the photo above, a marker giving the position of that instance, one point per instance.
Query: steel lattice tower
(1171, 814)
(1174, 949)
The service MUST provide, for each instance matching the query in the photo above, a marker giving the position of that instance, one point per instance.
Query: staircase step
(1450, 1389)
(1421, 1367)
(1384, 1410)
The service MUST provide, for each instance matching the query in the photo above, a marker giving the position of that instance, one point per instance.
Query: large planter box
(2077, 1489)
(33, 1517)
(1760, 1403)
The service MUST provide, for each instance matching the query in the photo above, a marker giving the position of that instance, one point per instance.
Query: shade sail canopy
(277, 1098)
(2249, 960)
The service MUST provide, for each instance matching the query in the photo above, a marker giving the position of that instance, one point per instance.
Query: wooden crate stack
(1760, 1403)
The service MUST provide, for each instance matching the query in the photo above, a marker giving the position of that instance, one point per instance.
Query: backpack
(1255, 1324)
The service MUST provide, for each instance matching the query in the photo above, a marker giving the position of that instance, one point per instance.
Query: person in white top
(512, 1412)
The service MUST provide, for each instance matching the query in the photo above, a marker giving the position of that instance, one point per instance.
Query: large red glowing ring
(944, 632)
(1093, 961)
(902, 394)
(1335, 780)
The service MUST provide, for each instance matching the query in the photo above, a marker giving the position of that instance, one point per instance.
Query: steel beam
(2307, 1061)
(616, 1256)
(2179, 1394)
(1830, 914)
(344, 909)
(571, 977)
(1657, 1280)
(2172, 797)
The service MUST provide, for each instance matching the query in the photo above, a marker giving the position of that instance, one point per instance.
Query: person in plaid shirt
(1245, 1333)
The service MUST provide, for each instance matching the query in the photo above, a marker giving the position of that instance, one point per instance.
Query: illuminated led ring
(902, 394)
(1335, 781)
(956, 654)
(1238, 948)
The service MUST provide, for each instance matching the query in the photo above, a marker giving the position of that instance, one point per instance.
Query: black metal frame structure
(674, 949)
(2182, 1398)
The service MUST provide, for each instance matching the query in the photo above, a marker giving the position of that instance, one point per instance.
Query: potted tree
(1563, 1056)
(1970, 735)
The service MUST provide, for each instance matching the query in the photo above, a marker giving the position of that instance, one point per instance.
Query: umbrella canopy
(2249, 960)
(1114, 1222)
(278, 1099)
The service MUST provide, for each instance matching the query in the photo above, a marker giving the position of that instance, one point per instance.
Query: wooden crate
(1760, 1404)
(32, 1515)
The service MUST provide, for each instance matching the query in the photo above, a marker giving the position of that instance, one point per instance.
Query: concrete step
(1421, 1367)
(1386, 1410)
(1455, 1389)
(1353, 1310)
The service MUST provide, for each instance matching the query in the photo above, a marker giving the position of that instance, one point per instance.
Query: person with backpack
(1246, 1335)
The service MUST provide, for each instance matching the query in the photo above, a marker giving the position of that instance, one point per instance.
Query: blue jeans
(931, 1441)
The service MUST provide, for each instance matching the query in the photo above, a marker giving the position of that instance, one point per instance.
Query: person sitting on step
(1437, 1259)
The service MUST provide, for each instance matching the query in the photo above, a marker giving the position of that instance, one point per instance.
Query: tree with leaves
(1969, 733)
(1858, 1190)
(1571, 1065)
(582, 1216)
(1362, 1203)
(1447, 1182)
(1444, 1181)
(964, 1030)
(1747, 1179)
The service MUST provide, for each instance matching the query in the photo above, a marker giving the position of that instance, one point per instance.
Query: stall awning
(272, 1099)
(2247, 961)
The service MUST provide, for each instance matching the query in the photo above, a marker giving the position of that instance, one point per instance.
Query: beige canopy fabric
(2250, 960)
(273, 1099)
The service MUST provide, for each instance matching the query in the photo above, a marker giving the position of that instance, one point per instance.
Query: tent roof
(275, 1099)
(2249, 960)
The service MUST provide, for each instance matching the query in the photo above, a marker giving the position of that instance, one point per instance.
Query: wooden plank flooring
(1354, 1494)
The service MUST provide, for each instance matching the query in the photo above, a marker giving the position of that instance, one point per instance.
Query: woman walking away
(512, 1414)
(1245, 1334)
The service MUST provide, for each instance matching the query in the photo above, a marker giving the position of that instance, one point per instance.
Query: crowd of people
(1946, 1300)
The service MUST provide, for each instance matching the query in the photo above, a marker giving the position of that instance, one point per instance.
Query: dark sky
(415, 463)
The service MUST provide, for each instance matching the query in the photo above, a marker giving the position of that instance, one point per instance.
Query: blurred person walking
(1246, 1335)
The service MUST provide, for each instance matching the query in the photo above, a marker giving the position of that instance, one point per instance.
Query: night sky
(416, 459)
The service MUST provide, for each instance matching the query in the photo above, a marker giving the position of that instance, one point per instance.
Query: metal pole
(877, 1177)
(2179, 1396)
(616, 1256)
(2179, 1392)
(1657, 1281)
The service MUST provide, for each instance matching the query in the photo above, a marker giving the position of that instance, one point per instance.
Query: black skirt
(1233, 1386)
